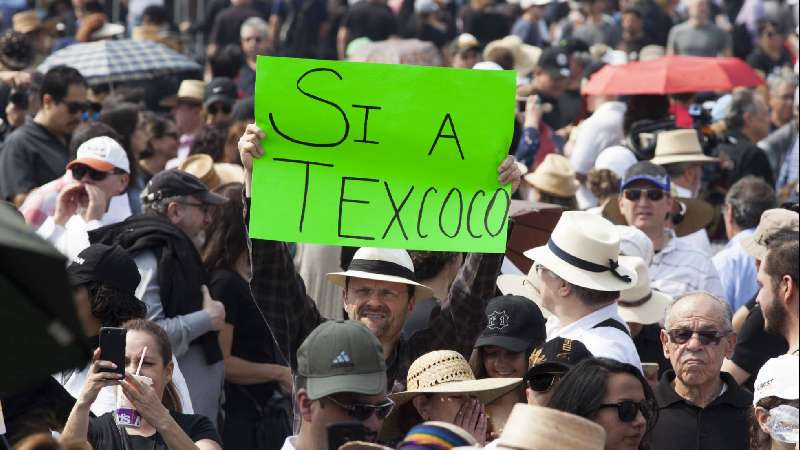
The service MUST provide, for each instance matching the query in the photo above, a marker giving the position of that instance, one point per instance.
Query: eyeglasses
(627, 410)
(363, 411)
(215, 108)
(543, 382)
(76, 107)
(681, 337)
(653, 195)
(80, 170)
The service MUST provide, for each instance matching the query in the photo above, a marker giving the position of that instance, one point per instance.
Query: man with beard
(379, 289)
(778, 297)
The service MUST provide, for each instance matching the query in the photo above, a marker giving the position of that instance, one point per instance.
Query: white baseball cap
(778, 378)
(103, 154)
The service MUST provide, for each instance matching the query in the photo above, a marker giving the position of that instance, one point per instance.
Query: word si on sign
(382, 155)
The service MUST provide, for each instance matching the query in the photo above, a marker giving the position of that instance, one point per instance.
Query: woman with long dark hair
(255, 384)
(613, 394)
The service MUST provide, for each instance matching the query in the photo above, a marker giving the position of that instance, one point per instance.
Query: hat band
(635, 303)
(587, 265)
(382, 268)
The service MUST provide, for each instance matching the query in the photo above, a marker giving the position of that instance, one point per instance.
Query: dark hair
(479, 369)
(226, 62)
(782, 258)
(157, 14)
(57, 81)
(748, 198)
(90, 130)
(602, 183)
(645, 107)
(591, 297)
(743, 100)
(171, 399)
(584, 387)
(210, 141)
(633, 10)
(227, 239)
(759, 440)
(427, 265)
(763, 23)
(16, 50)
(157, 127)
(124, 119)
(503, 57)
(113, 307)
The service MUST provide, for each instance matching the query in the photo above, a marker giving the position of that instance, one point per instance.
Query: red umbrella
(672, 75)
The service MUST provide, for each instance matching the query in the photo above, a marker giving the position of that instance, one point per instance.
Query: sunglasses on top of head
(653, 195)
(80, 170)
(363, 411)
(627, 410)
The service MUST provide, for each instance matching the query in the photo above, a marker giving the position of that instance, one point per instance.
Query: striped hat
(436, 436)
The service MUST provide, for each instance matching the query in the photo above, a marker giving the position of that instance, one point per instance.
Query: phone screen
(112, 347)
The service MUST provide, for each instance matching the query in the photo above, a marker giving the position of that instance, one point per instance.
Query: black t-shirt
(648, 345)
(739, 157)
(759, 60)
(755, 346)
(486, 26)
(30, 157)
(104, 433)
(373, 20)
(227, 25)
(252, 340)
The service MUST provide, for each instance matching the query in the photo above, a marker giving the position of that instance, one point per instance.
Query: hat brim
(520, 286)
(364, 384)
(211, 198)
(753, 248)
(96, 164)
(547, 367)
(674, 159)
(599, 281)
(218, 98)
(698, 215)
(567, 190)
(648, 313)
(510, 343)
(486, 390)
(421, 292)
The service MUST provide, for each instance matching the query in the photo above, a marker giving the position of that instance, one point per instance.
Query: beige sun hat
(772, 221)
(525, 56)
(382, 264)
(524, 286)
(212, 174)
(532, 427)
(554, 175)
(584, 250)
(26, 21)
(189, 91)
(642, 304)
(679, 146)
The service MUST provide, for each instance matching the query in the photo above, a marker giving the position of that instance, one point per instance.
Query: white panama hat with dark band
(382, 264)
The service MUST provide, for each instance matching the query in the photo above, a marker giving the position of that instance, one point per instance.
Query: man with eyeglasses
(163, 242)
(100, 172)
(699, 406)
(341, 377)
(677, 267)
(36, 152)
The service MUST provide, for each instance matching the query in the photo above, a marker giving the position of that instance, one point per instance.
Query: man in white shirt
(677, 267)
(102, 171)
(580, 278)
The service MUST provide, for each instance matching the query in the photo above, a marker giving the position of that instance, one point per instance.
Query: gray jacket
(778, 144)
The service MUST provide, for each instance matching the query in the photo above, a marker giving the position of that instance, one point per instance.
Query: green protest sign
(382, 155)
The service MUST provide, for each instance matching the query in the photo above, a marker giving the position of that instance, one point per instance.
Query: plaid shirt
(291, 314)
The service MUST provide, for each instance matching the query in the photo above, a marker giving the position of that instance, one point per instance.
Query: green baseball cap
(342, 356)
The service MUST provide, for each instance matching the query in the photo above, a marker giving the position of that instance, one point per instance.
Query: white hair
(722, 305)
(255, 23)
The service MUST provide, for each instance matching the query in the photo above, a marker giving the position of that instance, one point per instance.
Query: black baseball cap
(555, 61)
(572, 45)
(220, 89)
(514, 323)
(556, 355)
(649, 172)
(174, 182)
(109, 265)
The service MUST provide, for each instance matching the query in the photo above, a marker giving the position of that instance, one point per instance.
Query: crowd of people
(662, 312)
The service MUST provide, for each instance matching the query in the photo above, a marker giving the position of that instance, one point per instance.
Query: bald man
(699, 406)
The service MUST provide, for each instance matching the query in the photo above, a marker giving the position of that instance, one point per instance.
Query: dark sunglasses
(653, 195)
(79, 171)
(681, 337)
(215, 108)
(627, 410)
(363, 411)
(543, 382)
(76, 107)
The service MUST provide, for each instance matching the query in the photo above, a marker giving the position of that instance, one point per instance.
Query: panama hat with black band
(382, 264)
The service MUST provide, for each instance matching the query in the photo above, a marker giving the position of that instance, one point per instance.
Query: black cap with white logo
(513, 323)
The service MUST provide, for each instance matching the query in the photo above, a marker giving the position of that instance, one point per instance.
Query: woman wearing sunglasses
(615, 395)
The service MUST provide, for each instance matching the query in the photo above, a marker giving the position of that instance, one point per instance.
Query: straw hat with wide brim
(26, 21)
(679, 146)
(212, 174)
(554, 175)
(524, 286)
(584, 250)
(642, 304)
(189, 91)
(532, 427)
(772, 221)
(693, 215)
(382, 264)
(525, 56)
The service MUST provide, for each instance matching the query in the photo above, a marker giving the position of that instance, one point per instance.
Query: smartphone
(112, 347)
(343, 432)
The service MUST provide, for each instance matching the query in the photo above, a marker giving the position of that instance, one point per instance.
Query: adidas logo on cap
(343, 360)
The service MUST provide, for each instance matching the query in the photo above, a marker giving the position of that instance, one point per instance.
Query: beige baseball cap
(772, 221)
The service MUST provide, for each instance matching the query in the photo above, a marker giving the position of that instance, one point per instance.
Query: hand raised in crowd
(97, 204)
(509, 173)
(533, 112)
(69, 200)
(214, 308)
(98, 379)
(145, 400)
(472, 418)
(250, 146)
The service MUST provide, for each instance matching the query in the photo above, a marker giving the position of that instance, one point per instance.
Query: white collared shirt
(680, 268)
(606, 342)
(288, 444)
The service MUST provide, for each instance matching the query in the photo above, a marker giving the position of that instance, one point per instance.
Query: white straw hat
(524, 286)
(525, 56)
(584, 250)
(679, 146)
(384, 265)
(642, 304)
